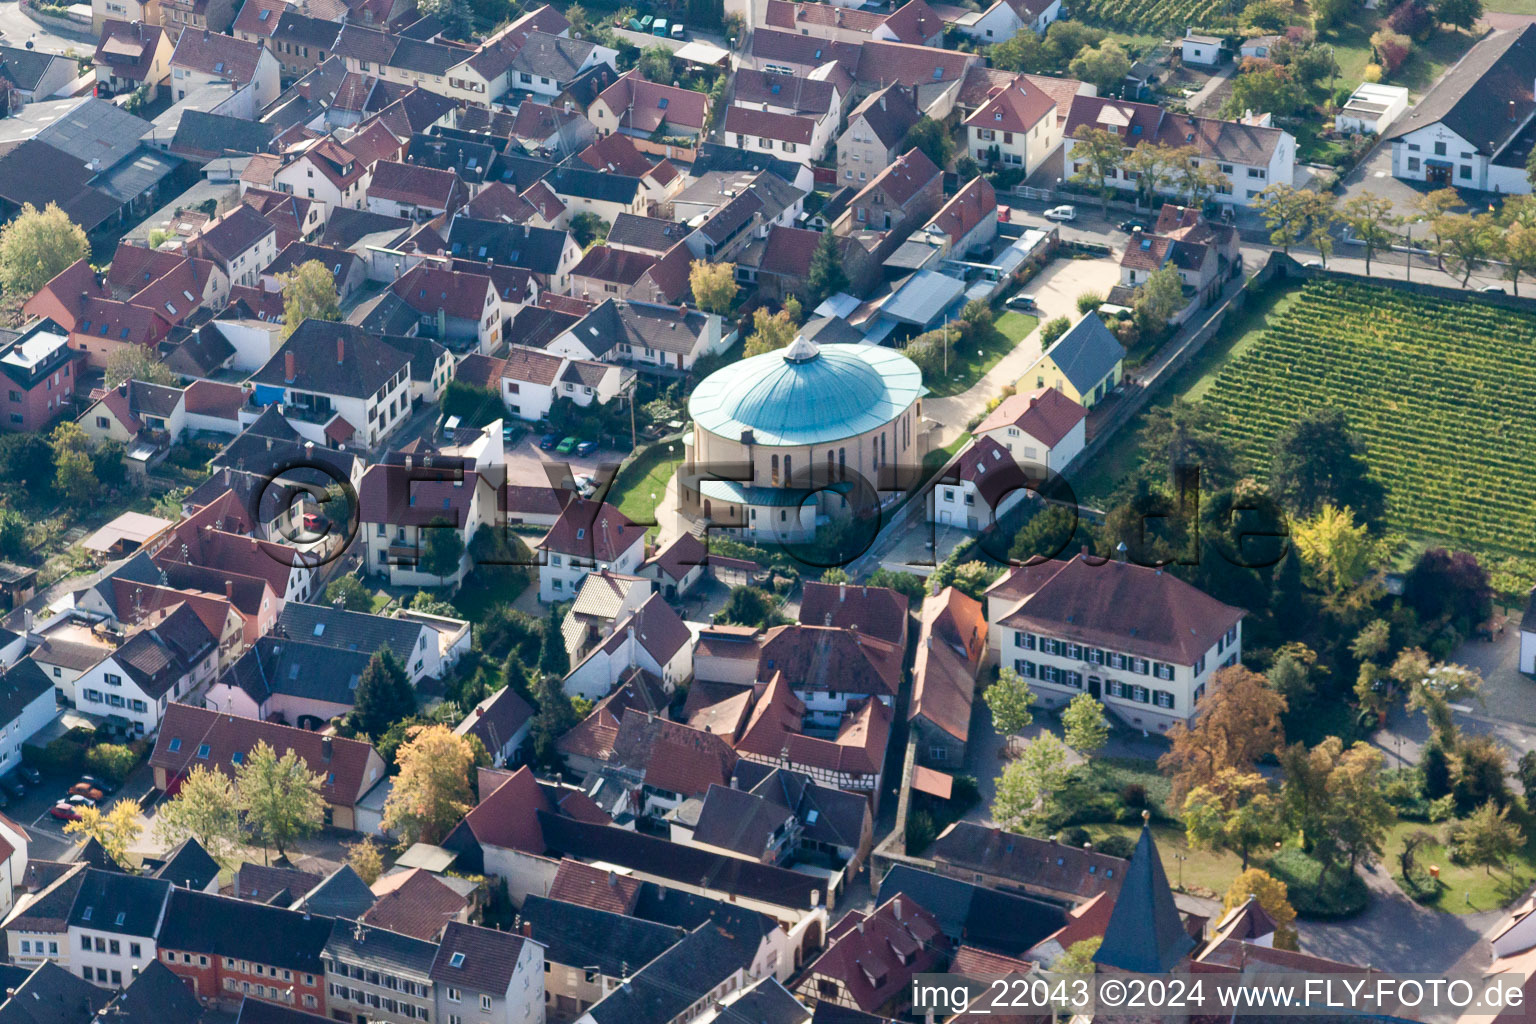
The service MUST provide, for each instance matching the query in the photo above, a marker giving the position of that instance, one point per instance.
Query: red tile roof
(643, 105)
(461, 294)
(766, 124)
(415, 496)
(191, 736)
(213, 53)
(414, 903)
(593, 736)
(1017, 108)
(789, 251)
(672, 756)
(915, 22)
(950, 645)
(773, 731)
(616, 266)
(587, 886)
(413, 183)
(909, 175)
(592, 530)
(792, 16)
(1124, 607)
(618, 154)
(874, 611)
(507, 816)
(531, 365)
(876, 955)
(829, 658)
(966, 209)
(1045, 414)
(881, 63)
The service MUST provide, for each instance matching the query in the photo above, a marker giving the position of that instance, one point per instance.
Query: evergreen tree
(553, 658)
(826, 277)
(384, 694)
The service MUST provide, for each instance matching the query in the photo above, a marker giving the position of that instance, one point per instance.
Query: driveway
(1055, 289)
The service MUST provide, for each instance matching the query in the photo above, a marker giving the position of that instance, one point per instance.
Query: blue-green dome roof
(807, 394)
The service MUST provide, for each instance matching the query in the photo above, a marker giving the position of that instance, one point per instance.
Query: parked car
(548, 441)
(1022, 303)
(585, 485)
(508, 432)
(659, 27)
(31, 774)
(568, 445)
(13, 785)
(1493, 289)
(105, 785)
(645, 22)
(64, 811)
(1130, 226)
(586, 448)
(1061, 213)
(677, 30)
(312, 522)
(85, 789)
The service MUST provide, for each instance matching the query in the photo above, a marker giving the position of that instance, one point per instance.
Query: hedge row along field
(1152, 17)
(1443, 392)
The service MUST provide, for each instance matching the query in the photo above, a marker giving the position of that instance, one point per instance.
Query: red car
(65, 811)
(312, 522)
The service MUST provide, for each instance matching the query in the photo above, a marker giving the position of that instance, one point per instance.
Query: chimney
(897, 908)
(1512, 111)
(409, 462)
(229, 589)
(341, 350)
(842, 592)
(325, 748)
(613, 879)
(290, 367)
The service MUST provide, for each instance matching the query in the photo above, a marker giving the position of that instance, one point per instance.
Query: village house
(1039, 428)
(635, 106)
(40, 371)
(336, 383)
(652, 638)
(1149, 661)
(205, 57)
(192, 736)
(1006, 18)
(588, 537)
(871, 958)
(1248, 154)
(400, 507)
(1017, 128)
(950, 648)
(1084, 364)
(132, 55)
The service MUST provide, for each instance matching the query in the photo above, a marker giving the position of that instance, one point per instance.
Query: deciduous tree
(279, 796)
(1334, 797)
(1159, 297)
(349, 590)
(1320, 461)
(1335, 549)
(1236, 811)
(1096, 153)
(1486, 837)
(116, 830)
(1462, 14)
(137, 362)
(75, 472)
(1371, 219)
(204, 809)
(1083, 722)
(932, 138)
(432, 791)
(442, 548)
(714, 285)
(366, 859)
(1029, 780)
(35, 247)
(770, 331)
(1238, 722)
(1289, 213)
(1105, 65)
(1273, 898)
(1010, 700)
(309, 293)
(1464, 242)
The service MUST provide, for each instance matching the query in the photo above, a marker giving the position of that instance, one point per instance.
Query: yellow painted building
(1085, 364)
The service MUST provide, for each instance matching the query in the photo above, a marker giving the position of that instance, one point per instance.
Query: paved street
(1055, 291)
(16, 29)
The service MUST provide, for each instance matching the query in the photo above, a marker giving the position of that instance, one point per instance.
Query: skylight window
(175, 744)
(238, 757)
(938, 73)
(121, 916)
(263, 15)
(218, 68)
(457, 960)
(662, 103)
(85, 915)
(319, 629)
(203, 750)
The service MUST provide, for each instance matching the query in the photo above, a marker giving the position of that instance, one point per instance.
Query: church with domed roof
(785, 441)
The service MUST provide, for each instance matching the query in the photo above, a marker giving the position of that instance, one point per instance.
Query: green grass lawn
(1098, 480)
(639, 487)
(1465, 889)
(488, 586)
(1511, 6)
(1204, 870)
(1351, 40)
(969, 362)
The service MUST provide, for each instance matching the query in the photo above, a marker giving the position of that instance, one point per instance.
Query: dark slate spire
(1145, 934)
